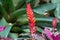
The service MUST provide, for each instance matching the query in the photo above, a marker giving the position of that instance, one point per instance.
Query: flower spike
(54, 23)
(31, 19)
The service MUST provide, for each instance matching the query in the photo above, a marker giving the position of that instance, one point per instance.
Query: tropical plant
(14, 15)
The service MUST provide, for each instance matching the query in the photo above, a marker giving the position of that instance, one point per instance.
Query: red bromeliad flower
(31, 19)
(54, 23)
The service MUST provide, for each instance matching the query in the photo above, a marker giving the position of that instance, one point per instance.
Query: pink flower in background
(8, 39)
(57, 37)
(54, 23)
(4, 38)
(2, 28)
(47, 32)
(51, 35)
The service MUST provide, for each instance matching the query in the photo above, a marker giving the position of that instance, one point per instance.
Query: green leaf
(39, 29)
(57, 10)
(43, 24)
(44, 8)
(22, 20)
(26, 30)
(58, 27)
(8, 4)
(24, 27)
(3, 22)
(20, 4)
(45, 19)
(15, 2)
(13, 35)
(16, 30)
(17, 13)
(3, 11)
(55, 1)
(28, 1)
(5, 32)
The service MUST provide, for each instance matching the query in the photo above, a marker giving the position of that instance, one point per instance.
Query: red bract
(54, 23)
(31, 19)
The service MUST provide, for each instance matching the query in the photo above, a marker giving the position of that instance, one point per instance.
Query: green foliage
(13, 35)
(6, 31)
(20, 4)
(44, 8)
(14, 11)
(56, 12)
(8, 5)
(17, 13)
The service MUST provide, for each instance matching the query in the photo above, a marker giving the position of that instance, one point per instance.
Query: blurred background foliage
(14, 12)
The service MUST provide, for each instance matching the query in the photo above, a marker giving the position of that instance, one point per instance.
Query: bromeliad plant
(46, 16)
(50, 35)
(53, 34)
(31, 20)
